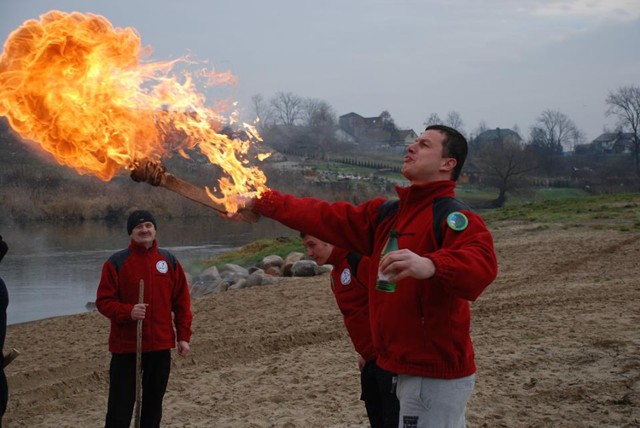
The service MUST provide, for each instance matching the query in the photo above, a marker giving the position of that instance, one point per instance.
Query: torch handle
(197, 194)
(189, 191)
(156, 174)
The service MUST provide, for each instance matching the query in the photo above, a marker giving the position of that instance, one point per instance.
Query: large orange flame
(79, 88)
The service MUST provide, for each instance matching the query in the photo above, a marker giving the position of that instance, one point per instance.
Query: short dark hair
(454, 146)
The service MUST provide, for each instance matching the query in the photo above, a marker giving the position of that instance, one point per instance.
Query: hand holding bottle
(404, 263)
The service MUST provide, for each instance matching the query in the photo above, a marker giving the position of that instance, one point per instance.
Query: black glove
(3, 248)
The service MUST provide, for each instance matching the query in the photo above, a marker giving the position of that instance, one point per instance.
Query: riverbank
(556, 343)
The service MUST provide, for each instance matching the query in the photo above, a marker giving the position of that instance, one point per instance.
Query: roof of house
(371, 129)
(404, 133)
(497, 134)
(366, 119)
(612, 136)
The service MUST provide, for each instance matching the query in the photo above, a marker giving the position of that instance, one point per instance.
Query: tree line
(507, 163)
(309, 126)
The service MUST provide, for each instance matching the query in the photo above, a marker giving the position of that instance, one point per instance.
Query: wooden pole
(138, 408)
(12, 355)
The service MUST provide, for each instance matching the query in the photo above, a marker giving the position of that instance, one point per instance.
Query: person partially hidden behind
(4, 302)
(429, 269)
(348, 283)
(167, 306)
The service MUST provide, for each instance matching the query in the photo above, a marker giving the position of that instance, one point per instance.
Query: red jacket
(422, 329)
(352, 297)
(165, 291)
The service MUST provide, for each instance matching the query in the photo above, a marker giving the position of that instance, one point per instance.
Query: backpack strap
(169, 256)
(354, 260)
(442, 207)
(387, 208)
(118, 259)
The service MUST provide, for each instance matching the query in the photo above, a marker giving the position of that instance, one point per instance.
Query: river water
(53, 270)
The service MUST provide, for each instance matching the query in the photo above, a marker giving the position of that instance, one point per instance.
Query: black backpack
(442, 207)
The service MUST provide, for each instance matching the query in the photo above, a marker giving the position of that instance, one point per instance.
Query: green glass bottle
(383, 284)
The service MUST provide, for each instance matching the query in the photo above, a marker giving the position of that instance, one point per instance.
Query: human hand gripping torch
(138, 408)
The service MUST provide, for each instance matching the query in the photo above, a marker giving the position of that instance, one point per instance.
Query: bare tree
(317, 113)
(482, 126)
(504, 164)
(559, 130)
(625, 105)
(546, 151)
(474, 143)
(287, 108)
(263, 111)
(550, 135)
(433, 119)
(454, 120)
(389, 125)
(320, 118)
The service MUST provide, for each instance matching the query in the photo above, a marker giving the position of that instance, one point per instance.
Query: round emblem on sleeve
(457, 221)
(162, 266)
(345, 277)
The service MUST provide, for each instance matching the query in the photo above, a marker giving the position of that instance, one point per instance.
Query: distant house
(497, 135)
(610, 143)
(407, 136)
(471, 172)
(373, 132)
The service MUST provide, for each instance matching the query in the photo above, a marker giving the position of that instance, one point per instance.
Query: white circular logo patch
(162, 266)
(345, 277)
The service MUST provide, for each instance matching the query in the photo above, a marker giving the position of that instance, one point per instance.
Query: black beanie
(138, 217)
(3, 248)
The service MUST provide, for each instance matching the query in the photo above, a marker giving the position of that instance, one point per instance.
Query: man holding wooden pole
(163, 309)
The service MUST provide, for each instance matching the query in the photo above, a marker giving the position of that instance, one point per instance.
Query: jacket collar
(134, 247)
(426, 192)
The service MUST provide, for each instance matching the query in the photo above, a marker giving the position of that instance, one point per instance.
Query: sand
(557, 341)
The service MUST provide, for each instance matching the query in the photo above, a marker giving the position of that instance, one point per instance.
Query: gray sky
(501, 61)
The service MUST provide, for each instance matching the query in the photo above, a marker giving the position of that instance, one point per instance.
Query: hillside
(35, 188)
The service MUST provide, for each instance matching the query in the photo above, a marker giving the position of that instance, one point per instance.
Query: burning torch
(156, 174)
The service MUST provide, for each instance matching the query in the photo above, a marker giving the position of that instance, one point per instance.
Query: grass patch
(254, 252)
(474, 195)
(617, 212)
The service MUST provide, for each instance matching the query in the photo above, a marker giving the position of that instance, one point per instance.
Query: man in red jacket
(421, 330)
(348, 283)
(166, 293)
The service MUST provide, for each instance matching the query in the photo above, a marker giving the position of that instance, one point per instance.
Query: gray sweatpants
(433, 403)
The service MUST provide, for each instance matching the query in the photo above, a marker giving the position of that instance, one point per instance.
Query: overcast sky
(498, 61)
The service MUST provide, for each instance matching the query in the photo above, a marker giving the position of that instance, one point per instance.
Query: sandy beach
(556, 336)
